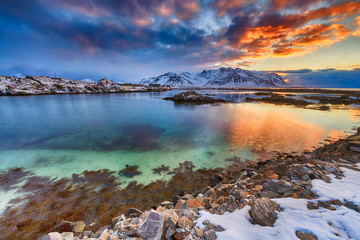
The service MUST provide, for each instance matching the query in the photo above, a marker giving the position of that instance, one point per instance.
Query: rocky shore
(194, 98)
(42, 85)
(257, 190)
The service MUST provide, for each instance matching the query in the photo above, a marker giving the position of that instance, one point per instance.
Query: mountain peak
(222, 77)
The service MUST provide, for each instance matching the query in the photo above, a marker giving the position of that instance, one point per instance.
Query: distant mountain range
(223, 77)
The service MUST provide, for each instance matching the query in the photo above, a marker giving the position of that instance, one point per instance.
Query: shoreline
(226, 190)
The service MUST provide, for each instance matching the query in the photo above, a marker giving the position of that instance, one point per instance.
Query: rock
(199, 233)
(172, 219)
(207, 204)
(183, 222)
(326, 205)
(79, 227)
(189, 213)
(355, 149)
(166, 204)
(152, 227)
(130, 230)
(312, 206)
(194, 97)
(305, 236)
(271, 186)
(195, 203)
(258, 188)
(67, 235)
(133, 213)
(264, 211)
(169, 232)
(53, 236)
(237, 194)
(86, 233)
(297, 171)
(269, 194)
(210, 235)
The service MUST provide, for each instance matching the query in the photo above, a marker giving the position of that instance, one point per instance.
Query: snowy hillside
(223, 77)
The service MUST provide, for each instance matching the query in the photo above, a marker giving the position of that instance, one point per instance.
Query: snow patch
(325, 224)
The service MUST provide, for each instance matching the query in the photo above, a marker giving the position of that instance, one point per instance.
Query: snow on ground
(343, 223)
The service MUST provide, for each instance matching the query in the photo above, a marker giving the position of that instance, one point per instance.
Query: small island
(194, 98)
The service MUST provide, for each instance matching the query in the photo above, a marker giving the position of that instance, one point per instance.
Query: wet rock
(305, 236)
(264, 211)
(152, 227)
(79, 227)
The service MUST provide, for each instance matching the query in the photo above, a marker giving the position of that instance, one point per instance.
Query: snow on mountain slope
(223, 77)
(172, 79)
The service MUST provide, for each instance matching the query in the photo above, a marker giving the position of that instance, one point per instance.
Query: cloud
(157, 31)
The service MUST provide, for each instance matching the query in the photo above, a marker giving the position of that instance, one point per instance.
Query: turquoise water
(64, 134)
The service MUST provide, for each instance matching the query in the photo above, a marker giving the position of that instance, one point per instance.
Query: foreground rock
(194, 97)
(264, 212)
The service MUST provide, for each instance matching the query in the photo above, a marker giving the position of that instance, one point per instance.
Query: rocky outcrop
(32, 85)
(194, 97)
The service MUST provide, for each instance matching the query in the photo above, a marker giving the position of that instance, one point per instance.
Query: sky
(308, 42)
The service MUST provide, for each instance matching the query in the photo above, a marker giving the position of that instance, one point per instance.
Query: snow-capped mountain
(170, 78)
(223, 77)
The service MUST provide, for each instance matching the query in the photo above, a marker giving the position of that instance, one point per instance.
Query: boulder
(152, 227)
(264, 211)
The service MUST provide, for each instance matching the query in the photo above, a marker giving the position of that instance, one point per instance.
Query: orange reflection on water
(256, 128)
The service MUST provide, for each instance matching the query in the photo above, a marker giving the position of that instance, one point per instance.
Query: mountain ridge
(222, 77)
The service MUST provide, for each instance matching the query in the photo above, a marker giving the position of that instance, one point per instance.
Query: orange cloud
(294, 34)
(357, 24)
